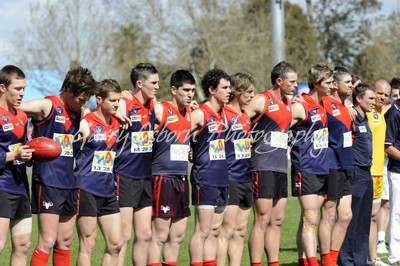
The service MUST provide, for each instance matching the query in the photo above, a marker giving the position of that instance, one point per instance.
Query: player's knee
(345, 218)
(144, 235)
(203, 233)
(215, 231)
(241, 231)
(47, 243)
(22, 249)
(114, 247)
(310, 220)
(87, 245)
(278, 221)
(228, 233)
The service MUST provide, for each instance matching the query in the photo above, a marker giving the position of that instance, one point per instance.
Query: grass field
(288, 250)
(288, 254)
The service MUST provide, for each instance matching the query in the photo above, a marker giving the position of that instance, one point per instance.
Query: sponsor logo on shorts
(165, 209)
(47, 204)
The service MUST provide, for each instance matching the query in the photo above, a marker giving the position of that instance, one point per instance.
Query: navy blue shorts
(134, 193)
(339, 183)
(170, 196)
(95, 206)
(240, 194)
(53, 200)
(14, 206)
(269, 184)
(309, 184)
(206, 195)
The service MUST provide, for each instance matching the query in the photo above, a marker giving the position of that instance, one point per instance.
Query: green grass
(288, 250)
(288, 255)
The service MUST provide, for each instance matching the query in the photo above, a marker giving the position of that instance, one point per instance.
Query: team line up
(126, 166)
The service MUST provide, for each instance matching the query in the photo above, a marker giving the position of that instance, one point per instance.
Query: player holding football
(15, 214)
(170, 170)
(53, 183)
(97, 202)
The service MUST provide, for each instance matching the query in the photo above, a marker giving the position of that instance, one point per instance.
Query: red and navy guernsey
(135, 145)
(208, 144)
(172, 139)
(96, 156)
(238, 145)
(62, 126)
(270, 135)
(340, 135)
(310, 139)
(13, 128)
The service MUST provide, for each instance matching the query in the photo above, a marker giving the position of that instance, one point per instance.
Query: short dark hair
(181, 77)
(339, 73)
(8, 72)
(106, 86)
(281, 70)
(79, 80)
(142, 71)
(395, 83)
(360, 90)
(212, 78)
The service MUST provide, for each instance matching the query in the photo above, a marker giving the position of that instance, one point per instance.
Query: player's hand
(24, 153)
(127, 94)
(352, 112)
(124, 121)
(191, 159)
(297, 99)
(193, 105)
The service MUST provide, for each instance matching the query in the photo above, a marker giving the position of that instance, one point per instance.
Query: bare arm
(256, 106)
(158, 109)
(392, 152)
(298, 113)
(38, 109)
(197, 120)
(123, 119)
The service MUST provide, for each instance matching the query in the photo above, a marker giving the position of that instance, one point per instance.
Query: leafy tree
(343, 28)
(380, 59)
(130, 46)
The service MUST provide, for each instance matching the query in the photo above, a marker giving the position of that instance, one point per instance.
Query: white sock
(381, 236)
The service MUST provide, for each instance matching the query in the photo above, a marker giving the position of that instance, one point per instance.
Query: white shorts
(385, 193)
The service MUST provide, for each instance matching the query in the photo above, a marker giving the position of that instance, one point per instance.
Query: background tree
(130, 46)
(343, 28)
(380, 59)
(64, 33)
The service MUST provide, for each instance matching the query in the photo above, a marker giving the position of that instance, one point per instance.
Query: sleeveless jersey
(340, 136)
(270, 135)
(171, 145)
(60, 125)
(362, 145)
(13, 128)
(95, 158)
(135, 145)
(238, 145)
(310, 140)
(377, 124)
(208, 146)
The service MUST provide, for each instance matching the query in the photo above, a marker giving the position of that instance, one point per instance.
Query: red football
(45, 149)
